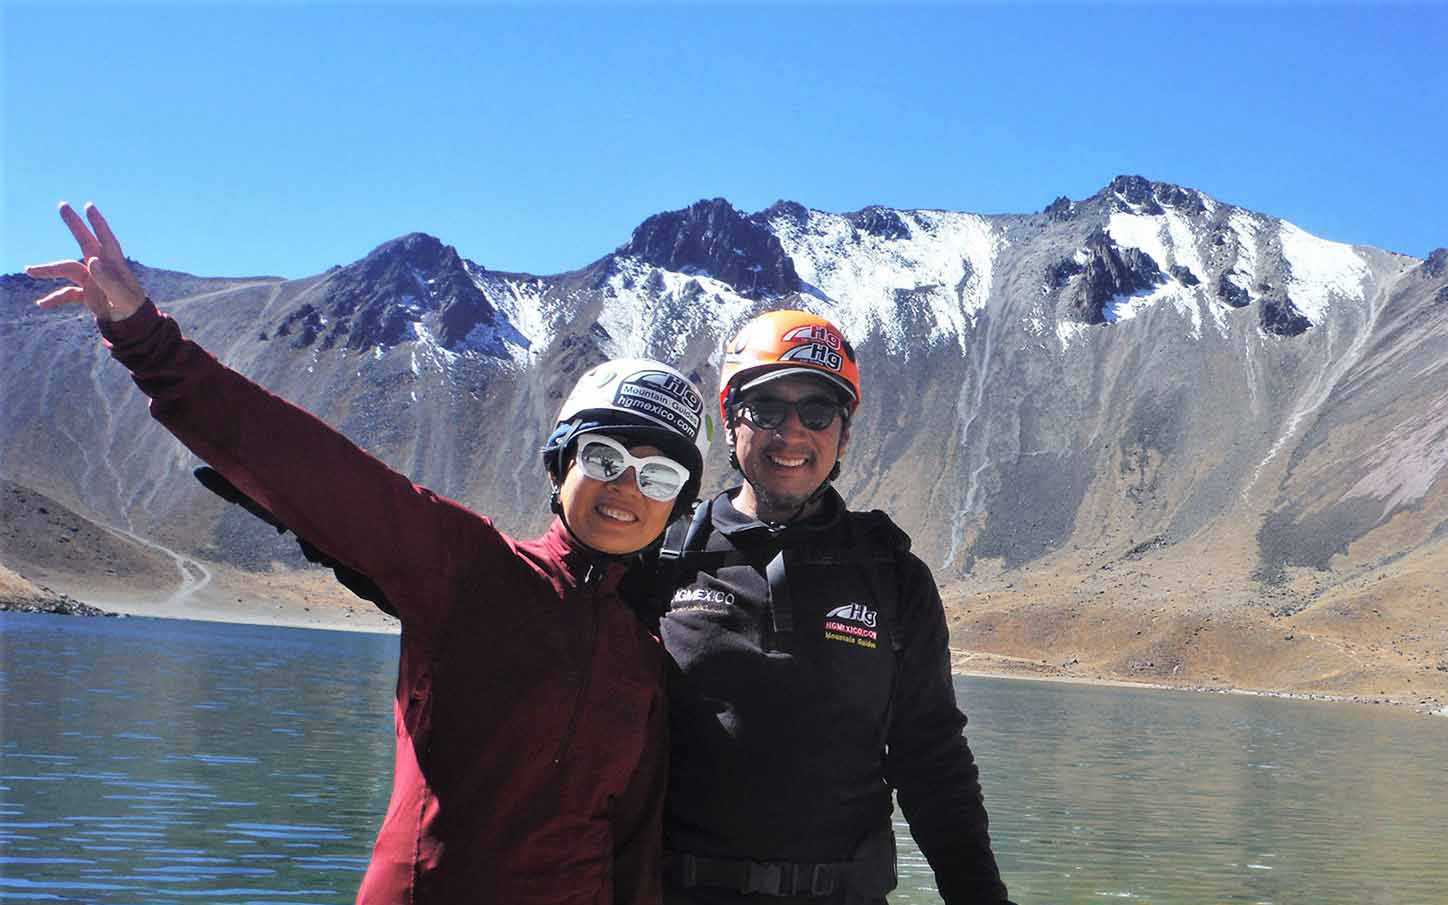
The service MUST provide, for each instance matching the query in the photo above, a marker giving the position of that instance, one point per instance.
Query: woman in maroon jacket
(530, 761)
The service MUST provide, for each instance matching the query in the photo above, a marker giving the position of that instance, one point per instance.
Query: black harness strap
(781, 607)
(869, 872)
(682, 539)
(874, 556)
(770, 878)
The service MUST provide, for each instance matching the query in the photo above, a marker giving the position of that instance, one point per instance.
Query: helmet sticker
(664, 397)
(814, 333)
(784, 341)
(815, 353)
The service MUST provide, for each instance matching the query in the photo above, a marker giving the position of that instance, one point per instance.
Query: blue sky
(282, 138)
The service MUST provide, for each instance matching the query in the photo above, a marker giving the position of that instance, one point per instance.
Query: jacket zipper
(582, 697)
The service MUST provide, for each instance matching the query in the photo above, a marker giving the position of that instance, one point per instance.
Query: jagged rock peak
(1437, 263)
(791, 210)
(375, 301)
(1124, 270)
(712, 238)
(415, 266)
(425, 252)
(1135, 189)
(879, 221)
(1139, 194)
(1060, 210)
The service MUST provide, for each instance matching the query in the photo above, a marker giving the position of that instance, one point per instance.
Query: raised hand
(103, 280)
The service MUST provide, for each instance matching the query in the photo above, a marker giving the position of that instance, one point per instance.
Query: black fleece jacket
(785, 745)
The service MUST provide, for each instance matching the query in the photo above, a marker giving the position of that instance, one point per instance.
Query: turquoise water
(155, 761)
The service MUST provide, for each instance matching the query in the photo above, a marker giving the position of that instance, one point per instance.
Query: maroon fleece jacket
(531, 753)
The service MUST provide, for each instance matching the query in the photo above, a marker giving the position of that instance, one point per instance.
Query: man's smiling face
(785, 464)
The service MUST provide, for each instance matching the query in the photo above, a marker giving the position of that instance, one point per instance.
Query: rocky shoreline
(973, 663)
(56, 606)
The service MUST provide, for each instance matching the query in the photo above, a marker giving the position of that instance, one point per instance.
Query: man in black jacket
(813, 669)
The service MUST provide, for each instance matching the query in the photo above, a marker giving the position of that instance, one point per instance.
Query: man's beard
(786, 506)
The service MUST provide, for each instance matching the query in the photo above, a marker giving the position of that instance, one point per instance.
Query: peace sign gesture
(103, 280)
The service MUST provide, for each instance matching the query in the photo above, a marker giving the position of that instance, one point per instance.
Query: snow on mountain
(528, 314)
(1169, 240)
(1321, 271)
(941, 259)
(1246, 229)
(895, 272)
(654, 312)
(425, 347)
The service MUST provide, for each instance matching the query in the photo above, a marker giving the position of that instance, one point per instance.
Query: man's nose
(791, 423)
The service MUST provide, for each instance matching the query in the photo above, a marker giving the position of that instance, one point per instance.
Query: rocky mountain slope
(1145, 434)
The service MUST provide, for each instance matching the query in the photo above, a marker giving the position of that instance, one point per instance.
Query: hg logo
(814, 333)
(675, 387)
(854, 612)
(815, 353)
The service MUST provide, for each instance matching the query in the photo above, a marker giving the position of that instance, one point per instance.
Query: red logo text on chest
(853, 623)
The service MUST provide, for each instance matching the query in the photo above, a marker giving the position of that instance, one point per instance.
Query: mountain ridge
(1146, 376)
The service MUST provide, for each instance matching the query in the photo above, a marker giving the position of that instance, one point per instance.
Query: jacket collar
(744, 529)
(579, 564)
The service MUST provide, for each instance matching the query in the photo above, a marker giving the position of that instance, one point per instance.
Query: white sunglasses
(604, 459)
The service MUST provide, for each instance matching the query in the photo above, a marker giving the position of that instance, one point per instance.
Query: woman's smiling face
(613, 516)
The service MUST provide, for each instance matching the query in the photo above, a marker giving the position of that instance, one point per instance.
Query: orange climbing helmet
(781, 343)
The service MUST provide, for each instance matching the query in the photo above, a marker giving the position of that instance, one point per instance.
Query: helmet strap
(731, 418)
(559, 471)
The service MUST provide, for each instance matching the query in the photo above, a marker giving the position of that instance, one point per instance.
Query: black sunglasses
(814, 413)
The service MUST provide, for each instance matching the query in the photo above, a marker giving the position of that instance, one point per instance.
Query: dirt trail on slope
(47, 550)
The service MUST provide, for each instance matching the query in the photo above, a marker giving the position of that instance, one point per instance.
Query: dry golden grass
(1183, 618)
(14, 589)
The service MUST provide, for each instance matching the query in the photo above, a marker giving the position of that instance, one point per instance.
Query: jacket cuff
(130, 330)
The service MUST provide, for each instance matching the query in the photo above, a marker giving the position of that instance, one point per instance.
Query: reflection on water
(1101, 793)
(154, 761)
(151, 761)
